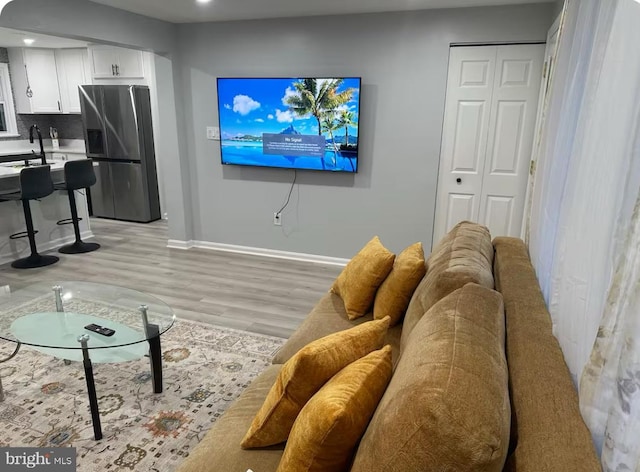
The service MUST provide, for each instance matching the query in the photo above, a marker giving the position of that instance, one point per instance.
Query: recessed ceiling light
(203, 1)
(29, 41)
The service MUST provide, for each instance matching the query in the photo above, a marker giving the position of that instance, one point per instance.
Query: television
(293, 123)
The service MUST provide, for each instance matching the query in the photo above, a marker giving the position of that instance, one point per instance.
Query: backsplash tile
(68, 126)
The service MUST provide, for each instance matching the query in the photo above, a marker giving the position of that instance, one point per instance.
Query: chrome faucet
(43, 157)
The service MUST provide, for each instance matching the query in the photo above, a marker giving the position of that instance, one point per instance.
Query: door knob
(459, 180)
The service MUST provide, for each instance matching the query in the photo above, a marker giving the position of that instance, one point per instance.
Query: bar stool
(35, 183)
(77, 175)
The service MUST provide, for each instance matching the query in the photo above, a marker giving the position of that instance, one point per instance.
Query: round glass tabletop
(55, 316)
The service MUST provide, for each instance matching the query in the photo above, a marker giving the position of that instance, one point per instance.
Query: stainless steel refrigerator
(118, 135)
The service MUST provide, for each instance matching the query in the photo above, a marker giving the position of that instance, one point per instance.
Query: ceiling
(189, 11)
(10, 38)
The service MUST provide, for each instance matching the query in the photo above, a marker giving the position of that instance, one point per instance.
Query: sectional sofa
(479, 381)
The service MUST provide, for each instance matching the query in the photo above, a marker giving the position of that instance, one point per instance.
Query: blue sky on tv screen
(250, 106)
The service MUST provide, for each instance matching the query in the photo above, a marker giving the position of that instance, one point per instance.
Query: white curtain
(576, 184)
(610, 384)
(583, 225)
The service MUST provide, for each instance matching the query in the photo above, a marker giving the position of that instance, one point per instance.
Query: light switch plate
(213, 133)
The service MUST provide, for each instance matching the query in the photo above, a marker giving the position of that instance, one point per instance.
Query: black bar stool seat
(77, 175)
(35, 183)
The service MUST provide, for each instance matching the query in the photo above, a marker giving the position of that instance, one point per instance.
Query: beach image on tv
(299, 123)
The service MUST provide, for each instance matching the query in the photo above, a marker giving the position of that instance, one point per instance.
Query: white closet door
(511, 130)
(464, 137)
(490, 111)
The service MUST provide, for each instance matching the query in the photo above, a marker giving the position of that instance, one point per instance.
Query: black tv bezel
(326, 171)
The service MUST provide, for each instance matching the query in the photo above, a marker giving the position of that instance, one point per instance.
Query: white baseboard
(44, 247)
(257, 251)
(178, 244)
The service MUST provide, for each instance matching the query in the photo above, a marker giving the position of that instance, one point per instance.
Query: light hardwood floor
(252, 293)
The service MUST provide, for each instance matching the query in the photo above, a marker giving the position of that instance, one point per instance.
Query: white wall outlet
(277, 219)
(213, 133)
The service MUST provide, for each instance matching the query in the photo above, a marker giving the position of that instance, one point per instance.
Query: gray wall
(557, 8)
(402, 59)
(82, 19)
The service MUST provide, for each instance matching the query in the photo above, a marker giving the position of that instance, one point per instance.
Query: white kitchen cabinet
(35, 80)
(47, 80)
(73, 70)
(116, 63)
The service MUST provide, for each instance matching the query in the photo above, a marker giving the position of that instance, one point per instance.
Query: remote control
(100, 330)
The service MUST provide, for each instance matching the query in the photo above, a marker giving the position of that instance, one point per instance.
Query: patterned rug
(205, 368)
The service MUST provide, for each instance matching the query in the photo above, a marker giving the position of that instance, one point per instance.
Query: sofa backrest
(447, 405)
(547, 431)
(464, 255)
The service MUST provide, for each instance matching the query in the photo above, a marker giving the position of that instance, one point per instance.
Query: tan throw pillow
(328, 428)
(358, 282)
(447, 405)
(303, 375)
(395, 293)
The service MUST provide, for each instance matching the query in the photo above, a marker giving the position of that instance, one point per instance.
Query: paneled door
(490, 114)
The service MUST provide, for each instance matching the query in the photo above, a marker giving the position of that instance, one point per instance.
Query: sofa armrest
(548, 432)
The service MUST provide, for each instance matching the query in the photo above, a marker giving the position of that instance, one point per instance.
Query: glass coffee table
(59, 319)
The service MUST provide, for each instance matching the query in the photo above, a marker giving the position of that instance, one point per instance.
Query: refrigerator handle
(136, 119)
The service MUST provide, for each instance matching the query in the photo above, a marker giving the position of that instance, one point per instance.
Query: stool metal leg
(34, 260)
(79, 246)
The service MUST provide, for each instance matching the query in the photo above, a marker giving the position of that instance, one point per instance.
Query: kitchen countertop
(71, 146)
(9, 170)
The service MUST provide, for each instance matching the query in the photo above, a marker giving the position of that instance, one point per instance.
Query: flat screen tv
(294, 123)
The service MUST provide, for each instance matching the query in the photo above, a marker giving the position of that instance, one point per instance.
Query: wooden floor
(252, 293)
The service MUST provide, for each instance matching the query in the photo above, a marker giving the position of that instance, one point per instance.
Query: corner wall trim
(256, 251)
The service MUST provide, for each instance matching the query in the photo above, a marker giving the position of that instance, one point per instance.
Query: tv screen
(295, 123)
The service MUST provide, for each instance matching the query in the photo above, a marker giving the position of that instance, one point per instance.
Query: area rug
(205, 369)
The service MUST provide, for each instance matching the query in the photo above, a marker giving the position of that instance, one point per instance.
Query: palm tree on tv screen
(317, 97)
(346, 119)
(331, 125)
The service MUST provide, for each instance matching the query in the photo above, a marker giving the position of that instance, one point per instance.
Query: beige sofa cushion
(358, 282)
(548, 432)
(447, 405)
(393, 296)
(327, 317)
(303, 375)
(220, 449)
(325, 435)
(465, 255)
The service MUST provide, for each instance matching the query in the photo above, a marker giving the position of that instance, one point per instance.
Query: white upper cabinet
(130, 64)
(73, 71)
(47, 80)
(103, 62)
(116, 63)
(35, 80)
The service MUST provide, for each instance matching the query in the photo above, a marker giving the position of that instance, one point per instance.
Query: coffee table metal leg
(57, 290)
(152, 333)
(155, 354)
(91, 388)
(13, 354)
